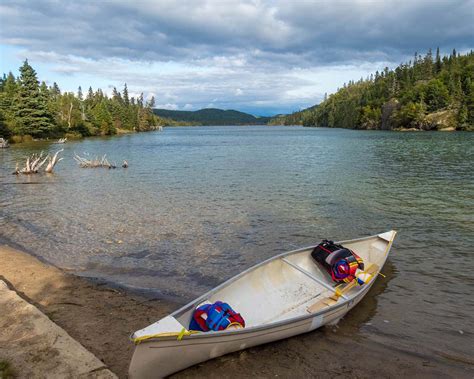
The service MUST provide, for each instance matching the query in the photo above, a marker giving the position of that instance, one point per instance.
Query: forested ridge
(30, 109)
(212, 116)
(428, 93)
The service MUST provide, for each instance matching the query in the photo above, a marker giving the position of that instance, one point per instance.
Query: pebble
(386, 321)
(461, 332)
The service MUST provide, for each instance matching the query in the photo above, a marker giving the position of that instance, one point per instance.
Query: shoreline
(101, 318)
(125, 132)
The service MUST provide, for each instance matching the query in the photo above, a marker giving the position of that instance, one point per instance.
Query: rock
(37, 347)
(387, 110)
(442, 120)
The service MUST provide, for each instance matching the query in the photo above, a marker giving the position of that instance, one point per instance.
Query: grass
(6, 371)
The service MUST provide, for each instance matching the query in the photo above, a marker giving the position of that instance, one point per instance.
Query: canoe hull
(157, 358)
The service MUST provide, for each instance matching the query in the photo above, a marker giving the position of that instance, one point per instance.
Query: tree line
(31, 108)
(428, 93)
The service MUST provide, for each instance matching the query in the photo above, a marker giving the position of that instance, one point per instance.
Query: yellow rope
(179, 335)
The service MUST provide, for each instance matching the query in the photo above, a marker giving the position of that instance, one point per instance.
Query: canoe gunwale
(347, 299)
(264, 327)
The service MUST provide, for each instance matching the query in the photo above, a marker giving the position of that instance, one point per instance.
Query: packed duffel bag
(341, 263)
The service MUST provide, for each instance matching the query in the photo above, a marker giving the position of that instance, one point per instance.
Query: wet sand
(101, 318)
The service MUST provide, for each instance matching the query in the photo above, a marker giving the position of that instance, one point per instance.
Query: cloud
(234, 31)
(170, 106)
(244, 53)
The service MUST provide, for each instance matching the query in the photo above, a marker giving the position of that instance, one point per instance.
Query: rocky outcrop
(441, 120)
(387, 111)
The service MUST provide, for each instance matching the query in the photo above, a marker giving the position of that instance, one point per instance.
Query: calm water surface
(198, 205)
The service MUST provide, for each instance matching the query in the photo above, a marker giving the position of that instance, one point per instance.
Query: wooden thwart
(331, 300)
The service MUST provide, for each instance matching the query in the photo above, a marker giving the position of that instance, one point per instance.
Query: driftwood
(3, 143)
(52, 161)
(93, 163)
(35, 161)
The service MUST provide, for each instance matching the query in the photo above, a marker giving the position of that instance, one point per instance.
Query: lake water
(198, 205)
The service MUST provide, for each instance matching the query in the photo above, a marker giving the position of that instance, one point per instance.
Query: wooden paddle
(331, 300)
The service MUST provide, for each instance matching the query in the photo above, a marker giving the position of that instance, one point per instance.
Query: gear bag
(341, 263)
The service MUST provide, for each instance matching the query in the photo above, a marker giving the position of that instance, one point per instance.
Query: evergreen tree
(437, 95)
(4, 131)
(8, 94)
(151, 103)
(55, 91)
(90, 94)
(79, 94)
(126, 99)
(438, 61)
(31, 116)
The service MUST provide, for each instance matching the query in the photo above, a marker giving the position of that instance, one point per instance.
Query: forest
(32, 110)
(428, 93)
(212, 116)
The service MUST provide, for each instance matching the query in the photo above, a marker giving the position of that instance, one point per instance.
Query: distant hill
(211, 116)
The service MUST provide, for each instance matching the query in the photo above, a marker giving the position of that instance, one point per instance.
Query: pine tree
(151, 103)
(4, 131)
(126, 99)
(116, 96)
(80, 97)
(31, 116)
(103, 119)
(7, 97)
(90, 94)
(438, 61)
(55, 91)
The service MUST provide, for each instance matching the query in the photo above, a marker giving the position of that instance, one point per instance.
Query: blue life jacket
(219, 316)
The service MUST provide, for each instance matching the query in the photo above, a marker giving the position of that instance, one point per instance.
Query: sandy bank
(102, 318)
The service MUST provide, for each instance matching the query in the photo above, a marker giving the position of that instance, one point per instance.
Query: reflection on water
(198, 205)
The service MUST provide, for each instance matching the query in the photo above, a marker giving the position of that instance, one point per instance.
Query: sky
(257, 56)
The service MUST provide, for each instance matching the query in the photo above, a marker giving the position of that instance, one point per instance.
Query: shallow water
(198, 205)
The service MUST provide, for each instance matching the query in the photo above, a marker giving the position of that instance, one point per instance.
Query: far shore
(102, 318)
(21, 140)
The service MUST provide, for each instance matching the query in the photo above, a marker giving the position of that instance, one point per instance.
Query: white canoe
(281, 297)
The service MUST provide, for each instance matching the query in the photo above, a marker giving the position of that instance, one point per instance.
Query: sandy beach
(101, 318)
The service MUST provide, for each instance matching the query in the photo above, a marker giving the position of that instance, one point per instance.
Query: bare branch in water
(93, 163)
(53, 161)
(34, 162)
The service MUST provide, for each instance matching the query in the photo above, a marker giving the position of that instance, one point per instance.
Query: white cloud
(169, 106)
